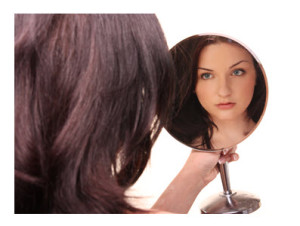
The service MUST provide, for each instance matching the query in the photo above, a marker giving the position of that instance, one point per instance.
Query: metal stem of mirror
(225, 178)
(229, 202)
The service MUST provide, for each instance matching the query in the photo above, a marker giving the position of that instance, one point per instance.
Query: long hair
(189, 119)
(91, 96)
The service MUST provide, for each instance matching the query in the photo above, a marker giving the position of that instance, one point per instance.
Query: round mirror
(221, 92)
(221, 97)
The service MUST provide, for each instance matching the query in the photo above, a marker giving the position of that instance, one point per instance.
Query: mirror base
(236, 203)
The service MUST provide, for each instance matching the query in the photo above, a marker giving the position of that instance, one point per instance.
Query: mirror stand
(230, 202)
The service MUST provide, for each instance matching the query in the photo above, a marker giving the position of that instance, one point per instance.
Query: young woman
(92, 93)
(222, 92)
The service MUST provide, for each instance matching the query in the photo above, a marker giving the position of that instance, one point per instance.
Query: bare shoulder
(154, 211)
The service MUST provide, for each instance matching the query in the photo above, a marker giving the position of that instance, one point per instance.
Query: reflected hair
(189, 119)
(91, 96)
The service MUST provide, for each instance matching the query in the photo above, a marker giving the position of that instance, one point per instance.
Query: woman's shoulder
(154, 211)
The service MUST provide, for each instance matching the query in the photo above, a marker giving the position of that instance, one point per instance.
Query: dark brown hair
(91, 96)
(189, 119)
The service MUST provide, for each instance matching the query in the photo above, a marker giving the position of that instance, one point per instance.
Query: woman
(222, 92)
(91, 96)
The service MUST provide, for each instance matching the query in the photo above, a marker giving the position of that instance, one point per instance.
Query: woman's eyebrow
(241, 61)
(204, 69)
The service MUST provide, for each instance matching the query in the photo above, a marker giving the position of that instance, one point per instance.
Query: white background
(268, 165)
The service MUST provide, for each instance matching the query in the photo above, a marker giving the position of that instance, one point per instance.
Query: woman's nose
(224, 88)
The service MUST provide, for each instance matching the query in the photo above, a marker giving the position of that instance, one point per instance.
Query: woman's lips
(225, 106)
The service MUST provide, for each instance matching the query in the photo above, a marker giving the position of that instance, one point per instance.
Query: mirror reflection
(221, 92)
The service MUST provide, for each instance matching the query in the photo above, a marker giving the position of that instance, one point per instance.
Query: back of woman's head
(91, 95)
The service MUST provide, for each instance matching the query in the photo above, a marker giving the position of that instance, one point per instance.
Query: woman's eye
(238, 72)
(206, 76)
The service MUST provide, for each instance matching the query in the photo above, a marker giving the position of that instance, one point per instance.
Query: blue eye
(206, 76)
(238, 72)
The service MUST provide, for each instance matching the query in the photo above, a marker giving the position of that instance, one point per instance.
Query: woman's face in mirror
(225, 84)
(221, 92)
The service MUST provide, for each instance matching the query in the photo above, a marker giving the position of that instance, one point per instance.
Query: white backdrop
(268, 165)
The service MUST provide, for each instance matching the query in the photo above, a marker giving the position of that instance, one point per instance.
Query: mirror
(221, 98)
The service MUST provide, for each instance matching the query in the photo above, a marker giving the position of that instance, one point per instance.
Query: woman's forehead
(223, 53)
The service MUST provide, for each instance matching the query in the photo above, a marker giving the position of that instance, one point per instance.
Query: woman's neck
(231, 132)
